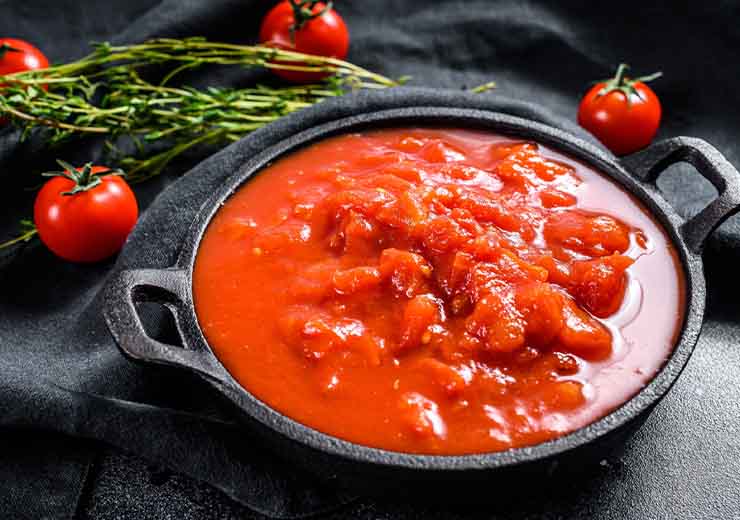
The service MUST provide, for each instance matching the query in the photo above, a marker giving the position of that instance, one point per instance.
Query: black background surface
(59, 372)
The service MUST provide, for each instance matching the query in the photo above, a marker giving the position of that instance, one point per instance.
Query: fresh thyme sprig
(191, 53)
(185, 117)
(106, 94)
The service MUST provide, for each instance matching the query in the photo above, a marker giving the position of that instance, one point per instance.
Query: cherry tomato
(85, 214)
(306, 26)
(624, 114)
(18, 55)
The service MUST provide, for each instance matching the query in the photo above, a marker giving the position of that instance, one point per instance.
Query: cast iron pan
(331, 456)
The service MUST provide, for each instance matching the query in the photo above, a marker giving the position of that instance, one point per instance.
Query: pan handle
(167, 287)
(647, 164)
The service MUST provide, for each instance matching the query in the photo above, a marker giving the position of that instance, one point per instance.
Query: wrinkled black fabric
(61, 372)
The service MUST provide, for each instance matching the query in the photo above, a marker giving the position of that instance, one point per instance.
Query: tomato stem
(648, 78)
(83, 178)
(619, 78)
(303, 13)
(5, 47)
(620, 82)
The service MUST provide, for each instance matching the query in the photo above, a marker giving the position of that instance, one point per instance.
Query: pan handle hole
(159, 323)
(685, 189)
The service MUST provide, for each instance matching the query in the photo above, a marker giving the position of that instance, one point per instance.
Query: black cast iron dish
(173, 288)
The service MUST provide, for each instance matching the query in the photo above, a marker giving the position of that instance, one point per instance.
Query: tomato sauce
(439, 291)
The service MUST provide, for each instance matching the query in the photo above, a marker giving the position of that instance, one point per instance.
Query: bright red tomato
(624, 114)
(85, 215)
(18, 55)
(306, 26)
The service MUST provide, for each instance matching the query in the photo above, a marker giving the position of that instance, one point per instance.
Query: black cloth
(61, 372)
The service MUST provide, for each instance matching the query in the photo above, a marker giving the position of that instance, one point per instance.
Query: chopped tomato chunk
(588, 234)
(356, 279)
(405, 170)
(420, 313)
(497, 322)
(567, 395)
(565, 363)
(583, 335)
(317, 336)
(407, 272)
(553, 198)
(444, 234)
(599, 284)
(500, 151)
(355, 235)
(542, 309)
(557, 272)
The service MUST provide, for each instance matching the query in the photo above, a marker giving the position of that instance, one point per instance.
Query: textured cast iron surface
(173, 288)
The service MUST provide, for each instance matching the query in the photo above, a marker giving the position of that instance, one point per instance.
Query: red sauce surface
(437, 290)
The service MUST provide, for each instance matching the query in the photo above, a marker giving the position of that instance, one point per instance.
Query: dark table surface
(685, 462)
